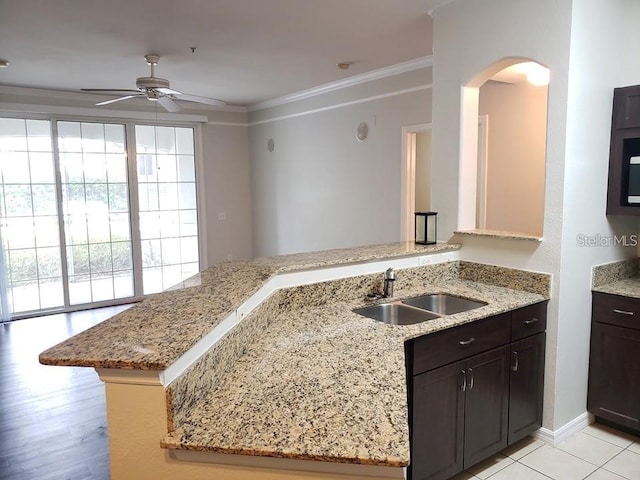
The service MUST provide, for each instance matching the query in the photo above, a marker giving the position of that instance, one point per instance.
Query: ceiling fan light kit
(155, 89)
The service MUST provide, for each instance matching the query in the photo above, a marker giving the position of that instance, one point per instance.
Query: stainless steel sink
(443, 304)
(396, 314)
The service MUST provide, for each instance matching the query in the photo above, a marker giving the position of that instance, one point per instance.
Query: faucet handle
(389, 274)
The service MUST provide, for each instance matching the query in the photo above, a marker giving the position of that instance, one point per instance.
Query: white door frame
(483, 170)
(408, 179)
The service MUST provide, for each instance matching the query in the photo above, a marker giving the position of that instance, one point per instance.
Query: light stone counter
(617, 278)
(160, 329)
(323, 383)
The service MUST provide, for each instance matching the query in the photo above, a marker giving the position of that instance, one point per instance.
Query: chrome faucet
(389, 278)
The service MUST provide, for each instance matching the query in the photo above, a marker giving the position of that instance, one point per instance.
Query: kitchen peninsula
(260, 369)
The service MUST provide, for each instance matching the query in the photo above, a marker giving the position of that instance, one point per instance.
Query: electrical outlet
(222, 216)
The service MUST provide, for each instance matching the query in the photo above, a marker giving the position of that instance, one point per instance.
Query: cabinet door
(626, 107)
(437, 423)
(486, 405)
(526, 387)
(614, 375)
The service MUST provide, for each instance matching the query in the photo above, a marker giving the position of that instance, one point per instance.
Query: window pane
(15, 167)
(184, 138)
(168, 193)
(186, 168)
(49, 263)
(167, 170)
(19, 232)
(46, 230)
(51, 293)
(69, 137)
(76, 229)
(171, 251)
(145, 139)
(18, 200)
(188, 223)
(39, 135)
(100, 258)
(101, 288)
(169, 224)
(120, 228)
(44, 200)
(23, 265)
(79, 289)
(165, 140)
(189, 249)
(118, 197)
(121, 252)
(148, 196)
(71, 168)
(78, 260)
(116, 168)
(152, 280)
(187, 195)
(123, 284)
(13, 134)
(151, 253)
(114, 139)
(95, 168)
(92, 137)
(41, 166)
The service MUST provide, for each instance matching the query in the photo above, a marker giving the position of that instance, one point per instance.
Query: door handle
(531, 322)
(622, 312)
(463, 387)
(516, 363)
(470, 379)
(467, 342)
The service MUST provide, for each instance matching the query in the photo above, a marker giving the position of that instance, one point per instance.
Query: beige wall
(516, 155)
(423, 171)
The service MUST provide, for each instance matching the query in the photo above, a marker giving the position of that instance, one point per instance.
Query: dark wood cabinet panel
(616, 310)
(614, 375)
(486, 405)
(526, 387)
(626, 107)
(437, 423)
(528, 321)
(446, 346)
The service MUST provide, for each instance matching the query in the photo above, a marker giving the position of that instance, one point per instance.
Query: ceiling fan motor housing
(146, 83)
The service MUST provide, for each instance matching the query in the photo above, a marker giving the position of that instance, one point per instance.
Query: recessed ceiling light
(4, 63)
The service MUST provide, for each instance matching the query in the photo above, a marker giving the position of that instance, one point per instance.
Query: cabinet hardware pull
(466, 342)
(515, 362)
(471, 378)
(530, 322)
(463, 387)
(622, 312)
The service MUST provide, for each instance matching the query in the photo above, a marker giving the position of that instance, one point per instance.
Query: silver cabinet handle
(466, 342)
(516, 363)
(470, 378)
(622, 312)
(531, 322)
(463, 387)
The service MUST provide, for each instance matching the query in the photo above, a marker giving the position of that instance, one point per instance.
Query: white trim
(415, 64)
(201, 200)
(363, 471)
(228, 124)
(554, 437)
(294, 279)
(129, 377)
(345, 104)
(101, 113)
(433, 5)
(483, 170)
(408, 179)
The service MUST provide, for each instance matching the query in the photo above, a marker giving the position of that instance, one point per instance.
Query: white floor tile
(490, 466)
(464, 476)
(610, 435)
(602, 474)
(590, 448)
(635, 447)
(517, 471)
(558, 464)
(522, 448)
(627, 464)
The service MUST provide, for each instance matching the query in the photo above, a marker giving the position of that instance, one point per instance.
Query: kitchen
(580, 93)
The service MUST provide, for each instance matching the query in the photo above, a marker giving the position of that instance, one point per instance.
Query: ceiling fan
(155, 89)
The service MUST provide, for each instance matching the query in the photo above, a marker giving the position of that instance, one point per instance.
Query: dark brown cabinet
(614, 364)
(625, 145)
(473, 390)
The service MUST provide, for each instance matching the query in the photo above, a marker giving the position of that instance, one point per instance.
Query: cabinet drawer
(528, 321)
(616, 310)
(446, 346)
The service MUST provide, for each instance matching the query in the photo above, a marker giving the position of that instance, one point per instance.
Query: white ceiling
(248, 51)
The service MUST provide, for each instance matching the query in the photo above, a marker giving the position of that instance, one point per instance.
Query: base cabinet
(487, 398)
(614, 367)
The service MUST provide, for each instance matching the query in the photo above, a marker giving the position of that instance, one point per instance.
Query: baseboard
(554, 437)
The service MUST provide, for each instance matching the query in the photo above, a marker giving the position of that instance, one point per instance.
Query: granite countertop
(626, 287)
(324, 383)
(156, 332)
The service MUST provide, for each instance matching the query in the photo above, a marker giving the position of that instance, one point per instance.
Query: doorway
(416, 176)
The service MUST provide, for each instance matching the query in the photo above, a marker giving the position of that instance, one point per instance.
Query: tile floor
(595, 453)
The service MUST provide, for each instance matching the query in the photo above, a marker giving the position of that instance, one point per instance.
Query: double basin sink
(418, 309)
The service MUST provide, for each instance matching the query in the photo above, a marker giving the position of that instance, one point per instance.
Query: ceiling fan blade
(107, 102)
(206, 100)
(168, 104)
(168, 91)
(115, 91)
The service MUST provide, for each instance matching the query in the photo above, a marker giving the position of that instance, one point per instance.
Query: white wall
(517, 116)
(227, 191)
(423, 171)
(321, 188)
(477, 34)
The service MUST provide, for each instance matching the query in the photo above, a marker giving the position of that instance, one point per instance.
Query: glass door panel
(28, 207)
(95, 202)
(168, 213)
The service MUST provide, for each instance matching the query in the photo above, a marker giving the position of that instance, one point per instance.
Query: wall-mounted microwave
(633, 192)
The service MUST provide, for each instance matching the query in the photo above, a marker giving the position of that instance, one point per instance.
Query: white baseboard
(554, 437)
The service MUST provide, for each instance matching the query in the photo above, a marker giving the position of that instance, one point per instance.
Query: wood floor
(52, 419)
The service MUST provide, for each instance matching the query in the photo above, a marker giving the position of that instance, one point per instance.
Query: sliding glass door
(67, 219)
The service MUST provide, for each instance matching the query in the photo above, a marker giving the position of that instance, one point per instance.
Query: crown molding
(396, 69)
(433, 5)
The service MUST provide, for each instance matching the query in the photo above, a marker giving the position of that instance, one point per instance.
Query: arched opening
(503, 156)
